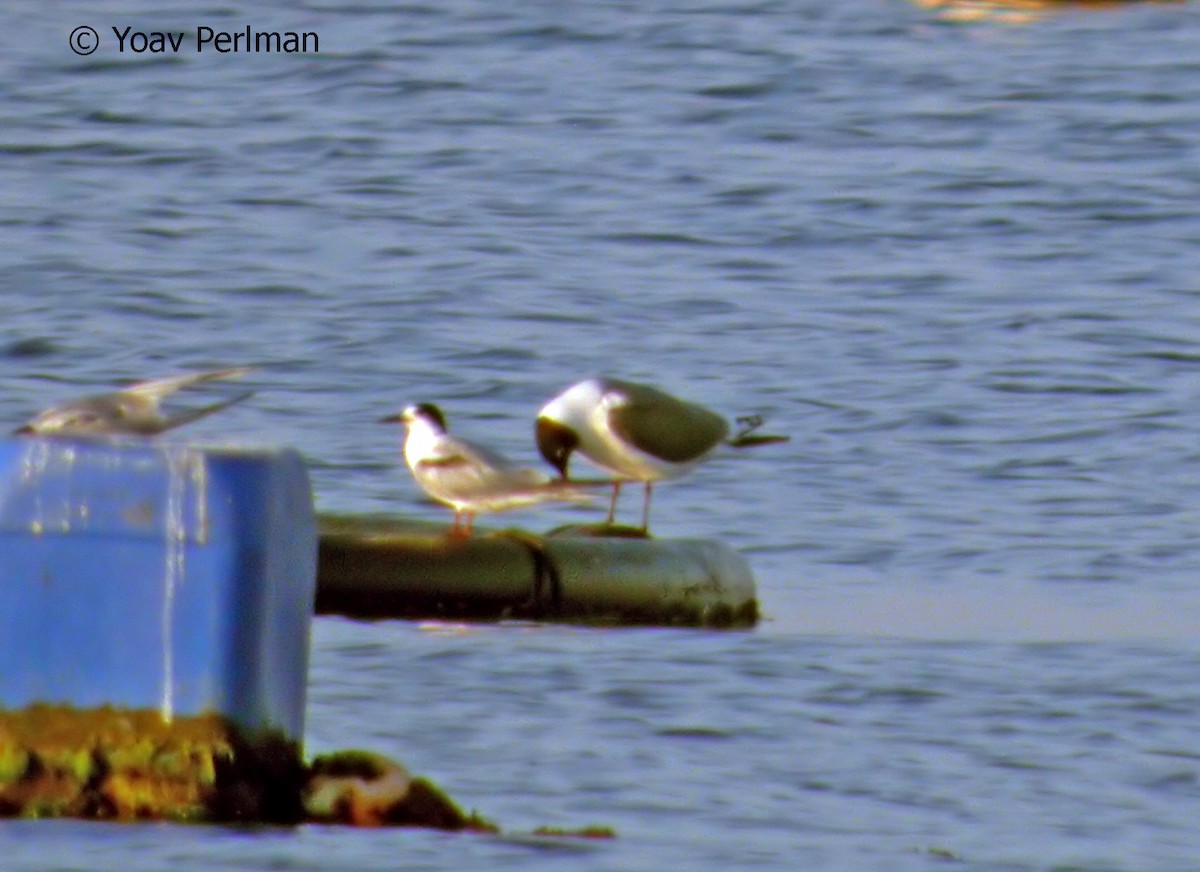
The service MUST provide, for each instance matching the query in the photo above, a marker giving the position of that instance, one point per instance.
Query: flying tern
(135, 410)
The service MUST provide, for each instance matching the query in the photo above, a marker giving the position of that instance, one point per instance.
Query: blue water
(958, 263)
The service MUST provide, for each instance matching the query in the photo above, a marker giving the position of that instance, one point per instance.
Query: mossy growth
(127, 764)
(120, 764)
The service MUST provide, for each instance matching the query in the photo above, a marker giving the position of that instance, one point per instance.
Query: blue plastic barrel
(143, 575)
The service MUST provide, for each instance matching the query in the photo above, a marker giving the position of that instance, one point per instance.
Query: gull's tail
(748, 436)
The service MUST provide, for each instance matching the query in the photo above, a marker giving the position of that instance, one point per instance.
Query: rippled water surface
(958, 263)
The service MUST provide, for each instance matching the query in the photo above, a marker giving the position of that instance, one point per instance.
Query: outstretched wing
(161, 387)
(202, 412)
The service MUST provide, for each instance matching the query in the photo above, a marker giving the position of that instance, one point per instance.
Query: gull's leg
(612, 506)
(646, 508)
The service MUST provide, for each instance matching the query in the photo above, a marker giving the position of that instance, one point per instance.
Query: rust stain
(140, 514)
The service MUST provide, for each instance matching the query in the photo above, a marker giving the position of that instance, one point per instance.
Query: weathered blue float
(142, 575)
(155, 605)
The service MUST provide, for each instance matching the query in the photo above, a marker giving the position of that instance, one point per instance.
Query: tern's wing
(161, 387)
(457, 471)
(192, 414)
(466, 469)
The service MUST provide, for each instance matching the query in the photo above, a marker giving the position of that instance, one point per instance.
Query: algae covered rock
(117, 764)
(365, 789)
(122, 764)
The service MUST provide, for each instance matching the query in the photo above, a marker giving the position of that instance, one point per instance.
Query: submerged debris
(595, 831)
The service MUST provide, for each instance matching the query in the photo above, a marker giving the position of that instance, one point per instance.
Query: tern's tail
(532, 494)
(566, 492)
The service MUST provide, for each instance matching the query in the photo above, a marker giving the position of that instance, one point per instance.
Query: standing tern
(133, 411)
(469, 477)
(634, 432)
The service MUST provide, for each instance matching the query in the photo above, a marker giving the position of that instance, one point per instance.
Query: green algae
(129, 765)
(109, 763)
(119, 764)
